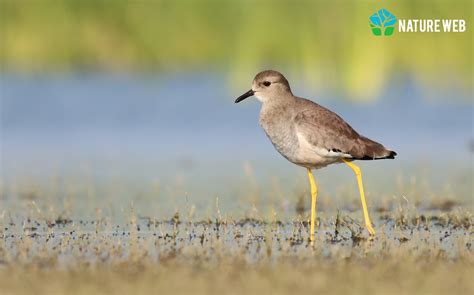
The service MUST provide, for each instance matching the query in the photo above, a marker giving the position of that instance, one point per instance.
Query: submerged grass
(427, 253)
(52, 244)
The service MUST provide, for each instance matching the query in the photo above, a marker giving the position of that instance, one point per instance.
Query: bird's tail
(375, 151)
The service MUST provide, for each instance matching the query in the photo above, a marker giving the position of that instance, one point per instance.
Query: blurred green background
(324, 43)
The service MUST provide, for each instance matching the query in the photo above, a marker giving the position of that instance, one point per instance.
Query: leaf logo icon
(382, 21)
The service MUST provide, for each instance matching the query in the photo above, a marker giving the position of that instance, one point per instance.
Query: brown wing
(325, 129)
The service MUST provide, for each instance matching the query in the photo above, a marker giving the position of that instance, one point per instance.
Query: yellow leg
(358, 174)
(314, 193)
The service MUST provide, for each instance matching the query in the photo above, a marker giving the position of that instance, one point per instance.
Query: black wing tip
(391, 155)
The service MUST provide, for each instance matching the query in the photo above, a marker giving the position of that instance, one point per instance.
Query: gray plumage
(304, 132)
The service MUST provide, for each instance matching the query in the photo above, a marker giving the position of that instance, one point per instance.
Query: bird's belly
(312, 156)
(298, 151)
(309, 158)
(294, 147)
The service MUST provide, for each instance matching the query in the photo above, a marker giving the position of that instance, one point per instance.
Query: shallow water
(102, 242)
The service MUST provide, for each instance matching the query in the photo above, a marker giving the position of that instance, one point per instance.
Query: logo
(382, 22)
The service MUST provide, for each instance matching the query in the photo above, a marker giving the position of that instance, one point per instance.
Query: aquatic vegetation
(428, 251)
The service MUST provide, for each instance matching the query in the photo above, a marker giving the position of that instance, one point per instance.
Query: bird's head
(267, 85)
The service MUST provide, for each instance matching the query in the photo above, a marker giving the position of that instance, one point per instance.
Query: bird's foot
(370, 229)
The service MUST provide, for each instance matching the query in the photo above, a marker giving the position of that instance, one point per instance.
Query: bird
(310, 135)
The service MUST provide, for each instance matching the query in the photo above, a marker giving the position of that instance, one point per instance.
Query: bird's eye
(266, 83)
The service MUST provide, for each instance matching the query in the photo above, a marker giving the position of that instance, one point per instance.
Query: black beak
(244, 96)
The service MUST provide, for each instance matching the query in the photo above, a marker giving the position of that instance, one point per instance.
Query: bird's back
(325, 129)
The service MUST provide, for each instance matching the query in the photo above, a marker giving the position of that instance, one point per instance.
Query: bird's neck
(278, 102)
(277, 109)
